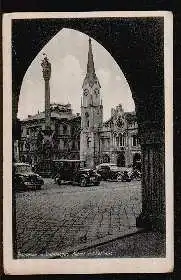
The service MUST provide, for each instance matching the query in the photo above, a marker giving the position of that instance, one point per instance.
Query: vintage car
(108, 171)
(24, 178)
(125, 174)
(74, 172)
(136, 174)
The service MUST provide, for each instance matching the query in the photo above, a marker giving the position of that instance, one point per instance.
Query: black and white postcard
(88, 150)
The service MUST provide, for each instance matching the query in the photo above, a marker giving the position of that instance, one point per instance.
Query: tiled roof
(129, 116)
(54, 114)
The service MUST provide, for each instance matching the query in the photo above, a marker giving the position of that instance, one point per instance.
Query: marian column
(46, 69)
(45, 138)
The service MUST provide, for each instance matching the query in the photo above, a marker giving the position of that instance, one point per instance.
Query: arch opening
(121, 160)
(136, 94)
(73, 46)
(106, 159)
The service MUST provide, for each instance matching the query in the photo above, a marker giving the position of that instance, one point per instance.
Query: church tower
(91, 115)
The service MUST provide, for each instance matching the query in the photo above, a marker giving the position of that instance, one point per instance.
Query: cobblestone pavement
(57, 218)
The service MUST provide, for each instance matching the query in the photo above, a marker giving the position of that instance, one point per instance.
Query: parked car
(74, 172)
(125, 174)
(125, 177)
(108, 171)
(24, 178)
(136, 175)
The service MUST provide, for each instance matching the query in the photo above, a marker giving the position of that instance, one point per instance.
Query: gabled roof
(129, 117)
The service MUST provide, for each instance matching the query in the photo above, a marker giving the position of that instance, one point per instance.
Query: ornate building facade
(115, 140)
(62, 142)
(57, 133)
(119, 141)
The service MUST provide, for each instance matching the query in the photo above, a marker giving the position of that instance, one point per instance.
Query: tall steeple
(90, 63)
(91, 114)
(90, 78)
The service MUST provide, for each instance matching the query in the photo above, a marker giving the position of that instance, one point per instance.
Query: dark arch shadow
(137, 45)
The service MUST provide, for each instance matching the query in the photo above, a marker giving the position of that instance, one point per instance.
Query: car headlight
(26, 183)
(24, 178)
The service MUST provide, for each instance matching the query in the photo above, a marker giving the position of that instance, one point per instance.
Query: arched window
(121, 160)
(64, 129)
(124, 139)
(134, 140)
(117, 141)
(121, 144)
(88, 142)
(87, 119)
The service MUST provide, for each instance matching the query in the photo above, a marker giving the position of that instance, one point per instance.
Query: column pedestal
(153, 180)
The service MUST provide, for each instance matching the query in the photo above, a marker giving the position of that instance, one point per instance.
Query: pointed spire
(90, 63)
(90, 77)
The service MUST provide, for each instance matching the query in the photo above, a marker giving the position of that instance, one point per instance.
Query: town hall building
(115, 140)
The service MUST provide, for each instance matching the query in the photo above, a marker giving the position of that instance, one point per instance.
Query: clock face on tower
(119, 122)
(91, 83)
(86, 91)
(96, 91)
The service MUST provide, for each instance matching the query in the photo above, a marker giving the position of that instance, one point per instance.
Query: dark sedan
(24, 178)
(73, 172)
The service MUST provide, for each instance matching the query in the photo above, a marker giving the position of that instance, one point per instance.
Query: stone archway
(143, 61)
(106, 158)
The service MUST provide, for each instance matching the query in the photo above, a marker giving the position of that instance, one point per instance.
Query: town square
(88, 145)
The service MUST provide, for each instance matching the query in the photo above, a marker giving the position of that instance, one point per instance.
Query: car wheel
(119, 178)
(59, 182)
(97, 184)
(83, 182)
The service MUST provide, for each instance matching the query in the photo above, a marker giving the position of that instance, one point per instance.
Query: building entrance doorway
(121, 160)
(106, 159)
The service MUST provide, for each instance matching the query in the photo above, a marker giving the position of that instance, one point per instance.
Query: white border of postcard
(96, 265)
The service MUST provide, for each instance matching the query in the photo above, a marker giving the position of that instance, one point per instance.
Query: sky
(67, 52)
